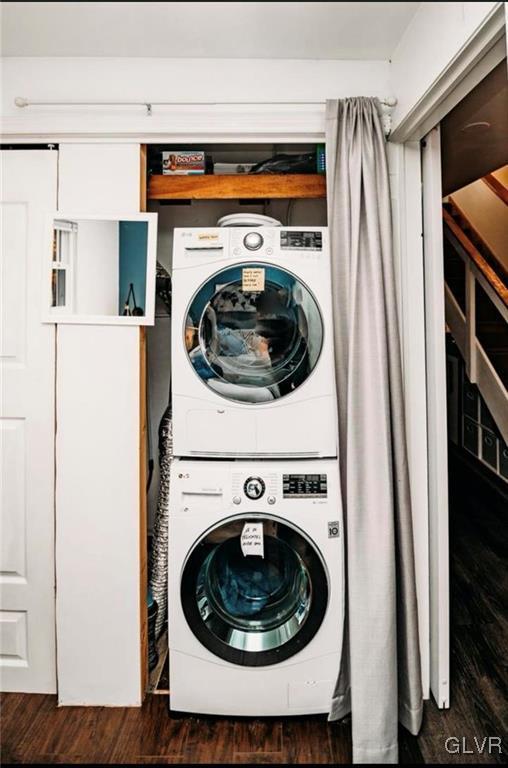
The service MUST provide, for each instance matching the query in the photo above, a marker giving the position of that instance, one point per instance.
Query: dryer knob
(253, 241)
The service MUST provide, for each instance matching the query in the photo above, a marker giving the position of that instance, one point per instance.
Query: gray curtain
(379, 681)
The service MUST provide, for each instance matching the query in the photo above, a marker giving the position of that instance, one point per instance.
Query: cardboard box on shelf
(182, 163)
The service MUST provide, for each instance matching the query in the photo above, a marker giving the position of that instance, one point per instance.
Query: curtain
(379, 680)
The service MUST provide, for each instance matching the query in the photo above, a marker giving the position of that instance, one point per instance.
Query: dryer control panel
(291, 240)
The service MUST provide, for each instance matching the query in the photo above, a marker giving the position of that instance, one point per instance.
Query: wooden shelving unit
(248, 186)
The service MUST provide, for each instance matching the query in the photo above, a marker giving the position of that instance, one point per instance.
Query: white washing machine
(253, 371)
(256, 586)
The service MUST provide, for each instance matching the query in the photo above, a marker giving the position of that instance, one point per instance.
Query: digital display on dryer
(301, 241)
(302, 486)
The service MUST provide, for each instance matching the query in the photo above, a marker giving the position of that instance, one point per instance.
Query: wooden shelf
(248, 186)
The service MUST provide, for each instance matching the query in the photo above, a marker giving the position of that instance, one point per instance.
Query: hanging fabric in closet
(380, 679)
(159, 564)
(159, 559)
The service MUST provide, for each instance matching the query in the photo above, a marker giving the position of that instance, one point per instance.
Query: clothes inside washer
(265, 588)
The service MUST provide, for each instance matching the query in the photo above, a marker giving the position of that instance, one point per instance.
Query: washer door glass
(253, 333)
(254, 610)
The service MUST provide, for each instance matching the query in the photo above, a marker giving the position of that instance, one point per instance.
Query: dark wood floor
(35, 730)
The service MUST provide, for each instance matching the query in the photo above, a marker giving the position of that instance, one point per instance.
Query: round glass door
(249, 609)
(253, 333)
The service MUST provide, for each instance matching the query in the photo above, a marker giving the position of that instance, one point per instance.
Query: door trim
(436, 421)
(474, 61)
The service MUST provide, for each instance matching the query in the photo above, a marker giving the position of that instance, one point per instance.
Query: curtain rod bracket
(385, 113)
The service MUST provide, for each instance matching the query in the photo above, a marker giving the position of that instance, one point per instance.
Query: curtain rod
(21, 102)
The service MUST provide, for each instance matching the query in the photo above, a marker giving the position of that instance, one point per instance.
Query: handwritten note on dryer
(251, 540)
(253, 279)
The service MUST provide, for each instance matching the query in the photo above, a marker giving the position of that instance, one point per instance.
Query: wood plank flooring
(35, 730)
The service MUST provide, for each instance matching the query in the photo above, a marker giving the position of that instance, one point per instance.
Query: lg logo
(488, 745)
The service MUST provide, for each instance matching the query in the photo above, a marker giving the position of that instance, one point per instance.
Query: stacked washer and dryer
(256, 562)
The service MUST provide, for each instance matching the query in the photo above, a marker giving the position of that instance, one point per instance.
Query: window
(62, 268)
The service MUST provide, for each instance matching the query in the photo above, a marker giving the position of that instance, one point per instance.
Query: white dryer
(252, 343)
(256, 586)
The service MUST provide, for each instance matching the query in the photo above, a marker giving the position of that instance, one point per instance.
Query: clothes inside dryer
(253, 333)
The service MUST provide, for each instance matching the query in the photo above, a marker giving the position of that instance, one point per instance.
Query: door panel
(13, 637)
(13, 547)
(14, 231)
(436, 421)
(27, 428)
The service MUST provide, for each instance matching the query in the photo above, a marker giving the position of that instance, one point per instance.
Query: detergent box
(183, 163)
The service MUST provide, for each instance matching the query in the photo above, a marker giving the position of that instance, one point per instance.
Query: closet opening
(285, 182)
(465, 170)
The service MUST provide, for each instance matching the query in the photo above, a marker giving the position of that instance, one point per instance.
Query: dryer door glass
(250, 609)
(253, 333)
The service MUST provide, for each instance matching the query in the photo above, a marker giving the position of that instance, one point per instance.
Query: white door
(436, 420)
(27, 425)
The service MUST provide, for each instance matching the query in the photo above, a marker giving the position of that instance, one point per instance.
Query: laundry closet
(104, 314)
(109, 380)
(201, 201)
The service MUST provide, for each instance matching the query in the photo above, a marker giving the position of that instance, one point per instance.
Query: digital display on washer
(301, 486)
(306, 241)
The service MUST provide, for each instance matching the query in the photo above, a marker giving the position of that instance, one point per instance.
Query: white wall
(97, 268)
(97, 516)
(434, 36)
(106, 79)
(233, 30)
(98, 465)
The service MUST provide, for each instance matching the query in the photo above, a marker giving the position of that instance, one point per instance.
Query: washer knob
(253, 241)
(271, 499)
(236, 500)
(254, 488)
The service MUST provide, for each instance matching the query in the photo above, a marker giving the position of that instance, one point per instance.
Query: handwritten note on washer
(253, 279)
(251, 540)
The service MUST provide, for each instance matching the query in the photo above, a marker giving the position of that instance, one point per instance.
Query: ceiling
(205, 30)
(473, 134)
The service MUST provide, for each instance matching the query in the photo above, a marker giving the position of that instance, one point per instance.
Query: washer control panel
(275, 488)
(254, 488)
(303, 486)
